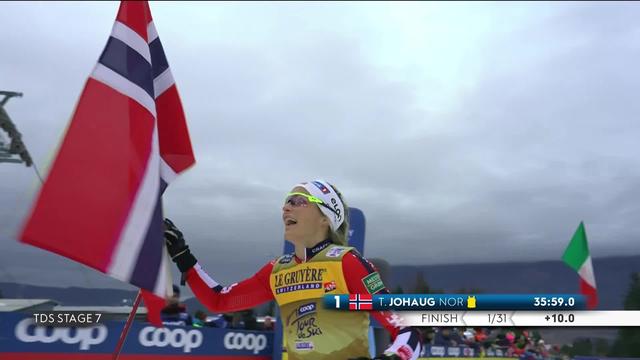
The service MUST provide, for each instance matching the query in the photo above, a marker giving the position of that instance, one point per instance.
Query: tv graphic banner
(485, 309)
(21, 339)
(410, 302)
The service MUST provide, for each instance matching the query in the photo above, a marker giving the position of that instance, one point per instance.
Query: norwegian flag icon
(360, 302)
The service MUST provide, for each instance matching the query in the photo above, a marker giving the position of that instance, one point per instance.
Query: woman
(315, 222)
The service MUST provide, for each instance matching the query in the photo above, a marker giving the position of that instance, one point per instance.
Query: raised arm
(217, 298)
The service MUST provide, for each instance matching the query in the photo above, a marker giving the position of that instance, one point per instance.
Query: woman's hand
(177, 247)
(174, 239)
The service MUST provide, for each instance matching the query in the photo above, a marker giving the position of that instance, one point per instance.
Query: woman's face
(304, 221)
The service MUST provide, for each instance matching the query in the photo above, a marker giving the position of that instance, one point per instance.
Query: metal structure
(12, 150)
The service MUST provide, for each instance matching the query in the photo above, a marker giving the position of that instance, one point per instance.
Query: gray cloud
(539, 134)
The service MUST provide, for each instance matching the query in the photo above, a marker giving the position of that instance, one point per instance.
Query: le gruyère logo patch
(301, 279)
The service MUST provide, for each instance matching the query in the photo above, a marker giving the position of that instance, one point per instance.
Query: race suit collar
(313, 251)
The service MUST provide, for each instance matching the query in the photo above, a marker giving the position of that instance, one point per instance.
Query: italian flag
(577, 257)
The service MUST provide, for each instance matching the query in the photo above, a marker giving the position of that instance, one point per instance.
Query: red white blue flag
(360, 302)
(101, 202)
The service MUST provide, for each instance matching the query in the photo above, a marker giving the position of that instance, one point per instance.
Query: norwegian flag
(101, 202)
(360, 302)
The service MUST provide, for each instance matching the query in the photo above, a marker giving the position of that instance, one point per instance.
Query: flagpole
(125, 331)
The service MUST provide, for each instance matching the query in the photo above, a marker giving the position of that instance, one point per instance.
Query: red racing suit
(259, 289)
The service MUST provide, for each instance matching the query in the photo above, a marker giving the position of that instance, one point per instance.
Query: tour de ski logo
(303, 321)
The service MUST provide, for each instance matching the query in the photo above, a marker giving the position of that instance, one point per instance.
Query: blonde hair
(340, 236)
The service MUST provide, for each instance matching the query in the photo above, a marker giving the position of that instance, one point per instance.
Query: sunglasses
(297, 199)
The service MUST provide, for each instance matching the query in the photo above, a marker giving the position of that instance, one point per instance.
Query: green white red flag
(578, 257)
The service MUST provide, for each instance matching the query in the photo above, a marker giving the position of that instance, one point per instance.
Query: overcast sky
(466, 132)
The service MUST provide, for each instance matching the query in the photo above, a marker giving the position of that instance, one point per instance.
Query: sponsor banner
(468, 352)
(449, 352)
(435, 350)
(19, 334)
(453, 351)
(89, 356)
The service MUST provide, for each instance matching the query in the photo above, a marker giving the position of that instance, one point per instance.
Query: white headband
(323, 191)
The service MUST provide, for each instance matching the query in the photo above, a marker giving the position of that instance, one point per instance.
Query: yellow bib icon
(471, 302)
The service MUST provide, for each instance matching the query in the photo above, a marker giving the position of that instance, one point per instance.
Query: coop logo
(240, 341)
(27, 331)
(306, 309)
(177, 338)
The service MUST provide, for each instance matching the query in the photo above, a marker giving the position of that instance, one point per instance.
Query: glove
(177, 247)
